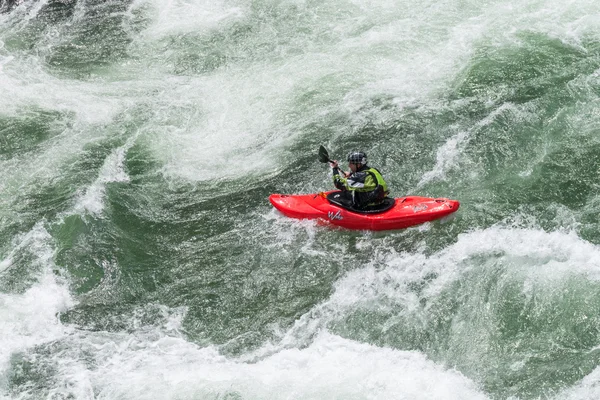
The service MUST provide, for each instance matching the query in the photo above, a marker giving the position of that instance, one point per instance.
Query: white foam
(6, 263)
(331, 367)
(587, 389)
(236, 120)
(445, 158)
(542, 257)
(530, 257)
(69, 136)
(447, 154)
(190, 16)
(227, 133)
(85, 109)
(25, 84)
(113, 170)
(239, 115)
(409, 53)
(30, 318)
(309, 363)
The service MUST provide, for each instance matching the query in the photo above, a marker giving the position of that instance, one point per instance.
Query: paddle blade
(323, 155)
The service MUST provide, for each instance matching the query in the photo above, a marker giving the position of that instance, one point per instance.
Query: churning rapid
(141, 259)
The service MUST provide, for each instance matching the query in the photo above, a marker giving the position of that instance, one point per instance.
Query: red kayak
(400, 213)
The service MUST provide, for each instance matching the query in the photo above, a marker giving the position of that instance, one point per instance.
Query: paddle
(324, 157)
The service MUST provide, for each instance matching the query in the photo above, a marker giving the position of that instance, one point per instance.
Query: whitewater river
(140, 257)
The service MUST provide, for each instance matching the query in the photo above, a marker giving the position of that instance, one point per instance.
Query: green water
(140, 257)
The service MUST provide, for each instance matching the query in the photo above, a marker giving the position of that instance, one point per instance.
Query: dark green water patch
(214, 255)
(145, 234)
(546, 341)
(76, 234)
(40, 371)
(46, 199)
(25, 38)
(530, 69)
(29, 129)
(28, 375)
(200, 53)
(81, 38)
(590, 219)
(97, 40)
(566, 176)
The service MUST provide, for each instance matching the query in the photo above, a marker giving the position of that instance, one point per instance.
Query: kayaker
(364, 185)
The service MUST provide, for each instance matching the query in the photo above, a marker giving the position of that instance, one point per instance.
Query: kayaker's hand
(334, 164)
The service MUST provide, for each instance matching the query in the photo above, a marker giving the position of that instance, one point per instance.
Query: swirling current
(140, 257)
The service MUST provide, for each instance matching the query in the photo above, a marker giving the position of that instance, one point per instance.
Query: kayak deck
(407, 211)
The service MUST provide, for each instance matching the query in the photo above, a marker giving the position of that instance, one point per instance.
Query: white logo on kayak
(335, 215)
(419, 207)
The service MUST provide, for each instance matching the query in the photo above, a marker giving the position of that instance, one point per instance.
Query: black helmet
(357, 157)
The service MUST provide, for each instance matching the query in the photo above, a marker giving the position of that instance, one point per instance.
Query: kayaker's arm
(337, 170)
(339, 181)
